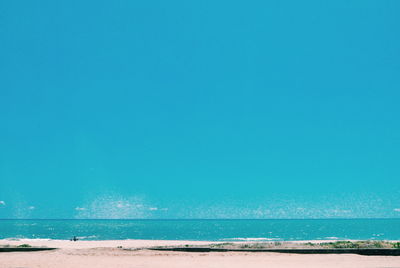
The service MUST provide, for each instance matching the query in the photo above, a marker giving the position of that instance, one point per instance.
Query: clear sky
(199, 109)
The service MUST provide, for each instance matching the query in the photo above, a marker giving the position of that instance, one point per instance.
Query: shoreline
(107, 254)
(87, 244)
(145, 243)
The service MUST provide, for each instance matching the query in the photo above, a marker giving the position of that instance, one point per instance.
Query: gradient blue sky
(199, 109)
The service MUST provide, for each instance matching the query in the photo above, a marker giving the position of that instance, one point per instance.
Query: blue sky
(199, 109)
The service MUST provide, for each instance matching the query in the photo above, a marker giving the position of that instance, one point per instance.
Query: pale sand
(96, 254)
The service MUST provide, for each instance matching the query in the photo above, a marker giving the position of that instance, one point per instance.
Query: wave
(90, 237)
(250, 239)
(26, 239)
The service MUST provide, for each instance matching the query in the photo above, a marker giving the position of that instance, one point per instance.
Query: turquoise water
(215, 230)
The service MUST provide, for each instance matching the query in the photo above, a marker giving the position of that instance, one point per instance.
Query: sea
(204, 230)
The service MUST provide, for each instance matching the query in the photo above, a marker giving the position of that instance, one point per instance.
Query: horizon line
(210, 219)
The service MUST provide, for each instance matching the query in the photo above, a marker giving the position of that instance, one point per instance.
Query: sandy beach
(98, 254)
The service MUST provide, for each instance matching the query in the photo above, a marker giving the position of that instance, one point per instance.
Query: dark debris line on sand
(23, 248)
(12, 249)
(370, 248)
(360, 251)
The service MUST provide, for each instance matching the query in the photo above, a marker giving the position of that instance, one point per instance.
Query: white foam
(86, 237)
(250, 239)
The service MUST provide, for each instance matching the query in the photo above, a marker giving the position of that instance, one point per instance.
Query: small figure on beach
(74, 238)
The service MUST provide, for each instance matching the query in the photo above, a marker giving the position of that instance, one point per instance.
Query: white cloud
(397, 209)
(2, 203)
(114, 206)
(80, 209)
(122, 204)
(31, 208)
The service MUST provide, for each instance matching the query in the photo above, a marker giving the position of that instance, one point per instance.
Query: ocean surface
(211, 230)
